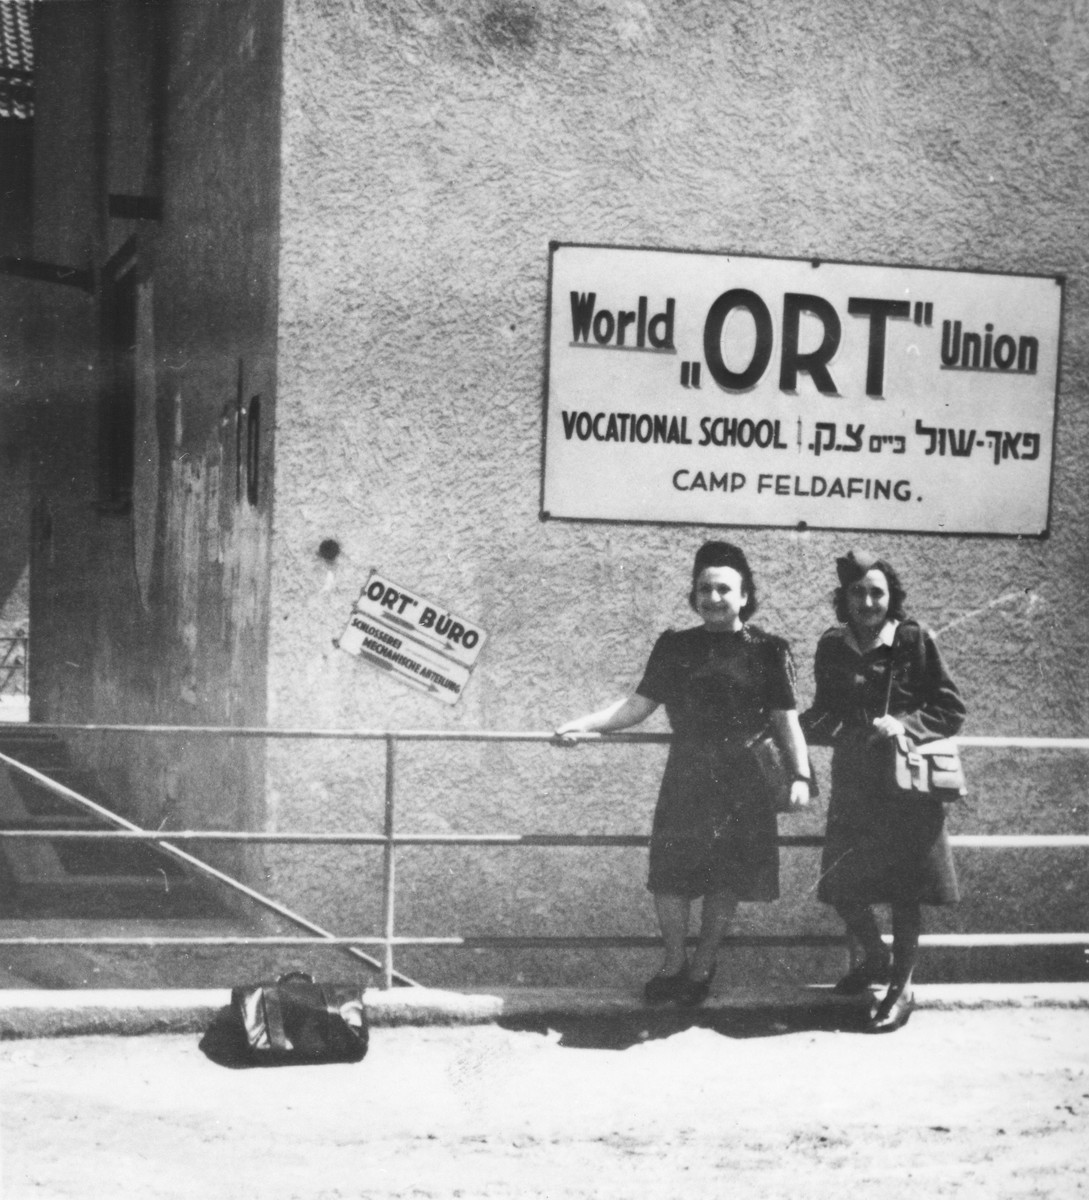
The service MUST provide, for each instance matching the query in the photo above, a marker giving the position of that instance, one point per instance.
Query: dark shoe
(867, 974)
(661, 989)
(695, 991)
(892, 1013)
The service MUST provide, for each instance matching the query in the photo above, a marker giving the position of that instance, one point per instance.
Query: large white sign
(722, 390)
(418, 641)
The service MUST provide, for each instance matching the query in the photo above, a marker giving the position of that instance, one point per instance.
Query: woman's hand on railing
(621, 715)
(569, 734)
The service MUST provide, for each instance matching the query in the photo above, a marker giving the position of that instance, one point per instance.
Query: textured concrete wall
(15, 534)
(15, 456)
(431, 152)
(155, 612)
(58, 347)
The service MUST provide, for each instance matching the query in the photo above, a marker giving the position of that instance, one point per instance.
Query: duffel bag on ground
(295, 1019)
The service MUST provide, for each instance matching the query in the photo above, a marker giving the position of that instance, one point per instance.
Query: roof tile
(16, 58)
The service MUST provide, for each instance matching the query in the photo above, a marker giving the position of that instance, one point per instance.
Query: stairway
(111, 889)
(69, 878)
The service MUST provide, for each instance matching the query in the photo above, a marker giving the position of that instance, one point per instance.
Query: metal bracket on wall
(135, 208)
(29, 268)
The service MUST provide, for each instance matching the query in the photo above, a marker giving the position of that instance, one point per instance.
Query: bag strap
(331, 1007)
(892, 667)
(896, 642)
(274, 1019)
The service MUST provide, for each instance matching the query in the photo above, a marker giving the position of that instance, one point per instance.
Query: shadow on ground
(631, 1029)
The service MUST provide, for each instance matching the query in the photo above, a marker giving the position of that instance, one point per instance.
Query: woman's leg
(871, 964)
(907, 925)
(673, 914)
(862, 926)
(896, 1007)
(672, 977)
(719, 910)
(717, 915)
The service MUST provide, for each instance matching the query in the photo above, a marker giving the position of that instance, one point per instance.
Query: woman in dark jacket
(714, 834)
(880, 848)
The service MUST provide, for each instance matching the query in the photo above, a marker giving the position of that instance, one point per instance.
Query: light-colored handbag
(929, 769)
(917, 768)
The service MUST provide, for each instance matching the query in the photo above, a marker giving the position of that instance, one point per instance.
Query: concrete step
(40, 798)
(159, 965)
(61, 821)
(107, 896)
(38, 750)
(67, 877)
(36, 1013)
(140, 966)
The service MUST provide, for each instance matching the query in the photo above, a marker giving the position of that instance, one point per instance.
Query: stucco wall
(430, 153)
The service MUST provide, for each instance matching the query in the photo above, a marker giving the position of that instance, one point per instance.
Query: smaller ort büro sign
(419, 641)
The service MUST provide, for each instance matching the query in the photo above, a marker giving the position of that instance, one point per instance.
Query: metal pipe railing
(389, 839)
(388, 866)
(980, 841)
(557, 942)
(461, 735)
(197, 864)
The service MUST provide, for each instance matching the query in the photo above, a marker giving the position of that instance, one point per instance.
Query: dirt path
(991, 1104)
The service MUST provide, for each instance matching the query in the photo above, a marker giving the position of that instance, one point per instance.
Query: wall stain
(512, 26)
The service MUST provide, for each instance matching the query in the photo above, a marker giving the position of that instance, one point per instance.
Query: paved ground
(991, 1103)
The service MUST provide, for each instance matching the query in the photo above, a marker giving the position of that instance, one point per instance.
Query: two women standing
(714, 835)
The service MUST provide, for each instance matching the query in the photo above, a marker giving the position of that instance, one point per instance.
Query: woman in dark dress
(714, 834)
(880, 848)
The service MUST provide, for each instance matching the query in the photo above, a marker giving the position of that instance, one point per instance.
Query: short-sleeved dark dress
(881, 849)
(714, 826)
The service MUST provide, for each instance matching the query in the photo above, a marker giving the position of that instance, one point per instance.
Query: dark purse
(777, 776)
(298, 1020)
(915, 769)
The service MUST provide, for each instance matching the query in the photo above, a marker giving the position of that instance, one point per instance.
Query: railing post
(388, 867)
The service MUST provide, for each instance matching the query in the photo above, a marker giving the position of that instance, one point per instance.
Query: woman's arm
(788, 733)
(822, 721)
(621, 715)
(933, 707)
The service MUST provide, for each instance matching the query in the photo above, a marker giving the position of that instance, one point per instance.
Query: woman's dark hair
(724, 554)
(897, 595)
